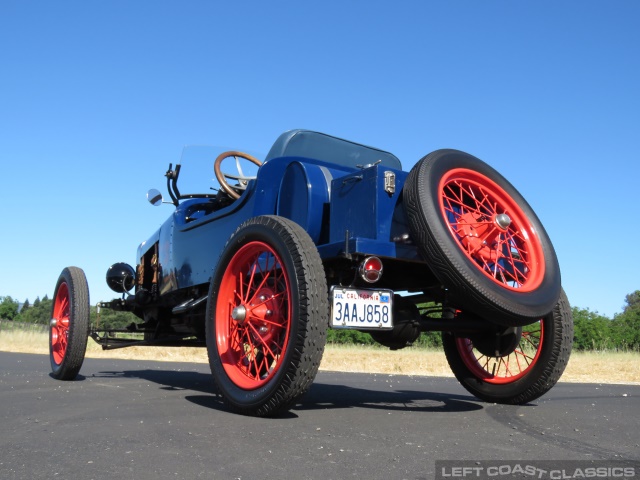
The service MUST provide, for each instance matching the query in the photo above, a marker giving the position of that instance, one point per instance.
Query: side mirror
(154, 197)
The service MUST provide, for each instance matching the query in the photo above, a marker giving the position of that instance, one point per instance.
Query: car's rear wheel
(481, 238)
(517, 366)
(266, 316)
(69, 325)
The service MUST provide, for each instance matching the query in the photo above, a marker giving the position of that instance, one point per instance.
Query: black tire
(268, 356)
(547, 343)
(524, 283)
(69, 328)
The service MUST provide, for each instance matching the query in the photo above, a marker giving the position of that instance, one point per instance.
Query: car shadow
(321, 396)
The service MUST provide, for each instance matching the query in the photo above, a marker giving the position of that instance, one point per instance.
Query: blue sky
(97, 97)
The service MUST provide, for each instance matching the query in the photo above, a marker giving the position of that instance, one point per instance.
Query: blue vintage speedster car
(329, 233)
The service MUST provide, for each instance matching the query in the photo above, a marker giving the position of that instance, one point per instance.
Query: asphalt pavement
(129, 419)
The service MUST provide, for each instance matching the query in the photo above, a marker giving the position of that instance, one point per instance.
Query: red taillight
(371, 269)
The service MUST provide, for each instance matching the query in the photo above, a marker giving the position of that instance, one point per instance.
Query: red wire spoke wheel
(518, 365)
(60, 324)
(69, 325)
(481, 239)
(492, 230)
(507, 368)
(266, 316)
(254, 315)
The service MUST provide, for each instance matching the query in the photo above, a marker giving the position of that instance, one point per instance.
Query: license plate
(361, 309)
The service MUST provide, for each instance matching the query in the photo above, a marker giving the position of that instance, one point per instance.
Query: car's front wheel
(69, 324)
(266, 316)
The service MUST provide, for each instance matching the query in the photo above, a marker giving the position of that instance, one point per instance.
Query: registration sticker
(361, 309)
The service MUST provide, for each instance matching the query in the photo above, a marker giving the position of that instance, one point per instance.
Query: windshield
(197, 176)
(320, 146)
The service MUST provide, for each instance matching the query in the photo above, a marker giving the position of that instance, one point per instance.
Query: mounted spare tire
(481, 239)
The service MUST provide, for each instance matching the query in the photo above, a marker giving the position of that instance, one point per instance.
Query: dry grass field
(596, 367)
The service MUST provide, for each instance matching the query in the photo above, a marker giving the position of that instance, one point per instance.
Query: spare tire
(481, 239)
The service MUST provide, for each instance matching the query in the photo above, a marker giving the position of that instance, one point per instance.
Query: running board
(112, 343)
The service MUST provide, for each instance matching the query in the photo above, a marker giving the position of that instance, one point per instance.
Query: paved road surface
(150, 420)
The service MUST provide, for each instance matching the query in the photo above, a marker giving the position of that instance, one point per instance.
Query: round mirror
(154, 197)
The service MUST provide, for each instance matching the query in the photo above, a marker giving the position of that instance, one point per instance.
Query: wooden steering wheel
(241, 179)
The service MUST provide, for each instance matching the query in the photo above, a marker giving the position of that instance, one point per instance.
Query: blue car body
(333, 188)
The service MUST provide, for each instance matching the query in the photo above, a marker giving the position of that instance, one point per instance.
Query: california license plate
(361, 309)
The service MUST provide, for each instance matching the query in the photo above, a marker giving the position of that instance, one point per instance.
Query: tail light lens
(371, 269)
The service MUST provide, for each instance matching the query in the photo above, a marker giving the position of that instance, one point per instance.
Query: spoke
(263, 367)
(62, 322)
(486, 362)
(517, 234)
(490, 209)
(527, 338)
(240, 173)
(479, 202)
(248, 350)
(262, 342)
(257, 289)
(252, 272)
(268, 322)
(518, 359)
(527, 358)
(452, 205)
(507, 370)
(240, 283)
(62, 308)
(456, 197)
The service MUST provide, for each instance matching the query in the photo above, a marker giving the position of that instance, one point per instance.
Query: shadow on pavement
(321, 396)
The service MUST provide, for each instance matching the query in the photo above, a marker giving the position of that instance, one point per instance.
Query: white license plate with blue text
(361, 309)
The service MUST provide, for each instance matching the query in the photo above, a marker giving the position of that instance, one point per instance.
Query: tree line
(592, 331)
(39, 313)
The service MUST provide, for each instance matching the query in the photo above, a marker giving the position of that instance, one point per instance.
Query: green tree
(8, 308)
(25, 305)
(591, 331)
(625, 326)
(632, 301)
(39, 312)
